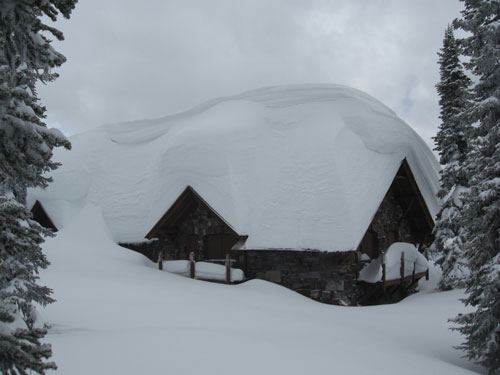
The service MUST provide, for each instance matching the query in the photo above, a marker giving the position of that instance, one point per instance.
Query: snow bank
(203, 270)
(295, 167)
(116, 314)
(372, 272)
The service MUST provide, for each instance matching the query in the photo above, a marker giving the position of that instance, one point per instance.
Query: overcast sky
(130, 60)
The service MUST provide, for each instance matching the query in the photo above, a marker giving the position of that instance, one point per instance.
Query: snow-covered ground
(117, 314)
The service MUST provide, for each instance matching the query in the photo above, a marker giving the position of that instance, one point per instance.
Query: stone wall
(190, 237)
(323, 276)
(329, 277)
(390, 225)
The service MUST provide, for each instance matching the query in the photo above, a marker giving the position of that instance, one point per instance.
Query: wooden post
(413, 273)
(383, 270)
(228, 269)
(191, 265)
(160, 260)
(427, 274)
(402, 267)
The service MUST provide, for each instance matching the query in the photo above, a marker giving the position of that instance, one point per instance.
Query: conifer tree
(26, 57)
(452, 145)
(480, 216)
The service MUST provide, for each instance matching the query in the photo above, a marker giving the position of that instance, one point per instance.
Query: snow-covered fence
(160, 260)
(402, 272)
(192, 265)
(401, 262)
(384, 274)
(227, 262)
(207, 269)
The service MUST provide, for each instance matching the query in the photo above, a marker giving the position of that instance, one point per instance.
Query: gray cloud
(129, 60)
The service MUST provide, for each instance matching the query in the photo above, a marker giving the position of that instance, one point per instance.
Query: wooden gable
(192, 225)
(40, 215)
(186, 202)
(409, 219)
(408, 194)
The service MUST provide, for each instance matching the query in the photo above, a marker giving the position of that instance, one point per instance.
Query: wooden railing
(414, 276)
(227, 263)
(192, 265)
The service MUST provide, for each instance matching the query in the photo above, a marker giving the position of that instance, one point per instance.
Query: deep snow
(117, 314)
(296, 167)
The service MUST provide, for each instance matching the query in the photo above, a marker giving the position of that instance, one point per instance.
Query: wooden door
(218, 245)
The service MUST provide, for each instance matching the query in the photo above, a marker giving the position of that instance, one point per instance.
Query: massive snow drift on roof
(297, 167)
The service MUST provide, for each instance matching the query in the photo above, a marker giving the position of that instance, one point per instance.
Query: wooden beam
(192, 271)
(384, 283)
(228, 269)
(418, 276)
(402, 270)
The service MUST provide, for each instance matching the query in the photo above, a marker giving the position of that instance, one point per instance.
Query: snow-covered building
(295, 182)
(40, 215)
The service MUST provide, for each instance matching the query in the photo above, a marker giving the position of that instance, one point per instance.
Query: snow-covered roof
(298, 167)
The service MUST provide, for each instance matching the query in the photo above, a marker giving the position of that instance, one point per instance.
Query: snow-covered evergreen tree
(480, 216)
(451, 143)
(26, 57)
(20, 259)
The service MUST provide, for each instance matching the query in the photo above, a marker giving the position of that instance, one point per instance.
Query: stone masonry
(390, 225)
(199, 223)
(328, 277)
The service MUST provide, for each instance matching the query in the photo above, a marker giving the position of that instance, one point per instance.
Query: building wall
(199, 223)
(329, 277)
(388, 226)
(323, 276)
(190, 237)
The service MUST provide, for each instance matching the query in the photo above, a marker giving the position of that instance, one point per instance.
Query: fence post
(228, 269)
(160, 260)
(413, 273)
(402, 267)
(191, 265)
(383, 270)
(427, 274)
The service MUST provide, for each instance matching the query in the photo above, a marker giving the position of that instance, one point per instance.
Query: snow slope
(294, 167)
(116, 314)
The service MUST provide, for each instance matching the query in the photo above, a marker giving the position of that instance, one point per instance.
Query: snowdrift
(117, 314)
(293, 167)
